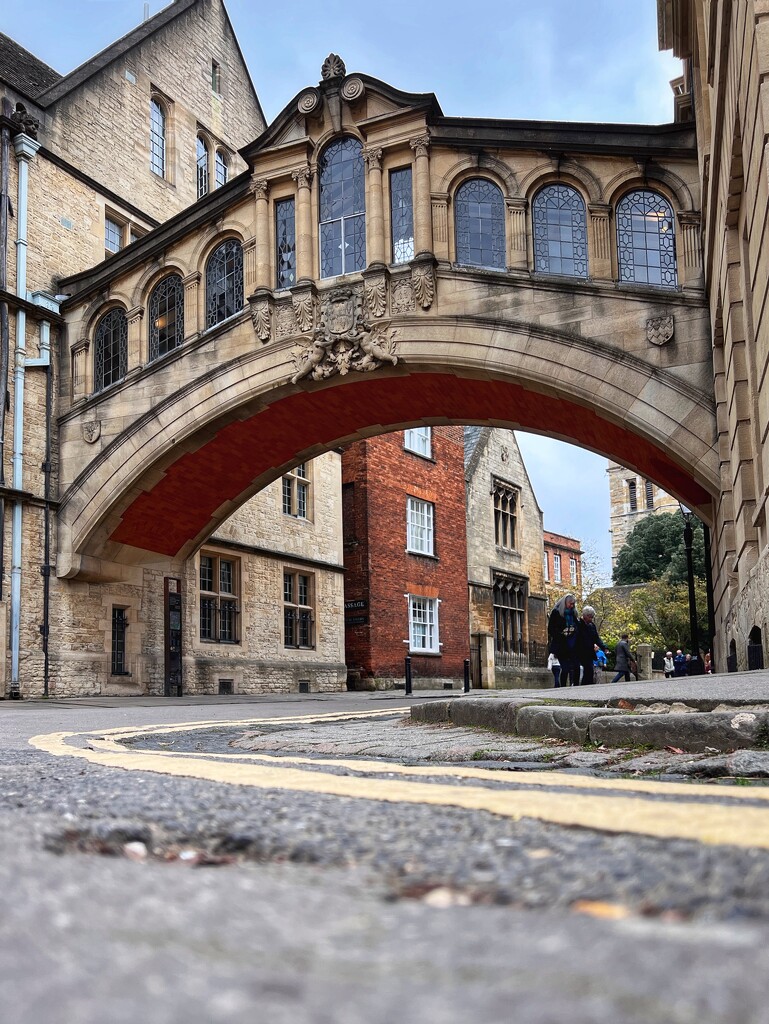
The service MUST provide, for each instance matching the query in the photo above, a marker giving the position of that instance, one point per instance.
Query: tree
(655, 550)
(661, 611)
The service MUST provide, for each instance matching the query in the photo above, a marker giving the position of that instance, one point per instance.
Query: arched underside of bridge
(165, 484)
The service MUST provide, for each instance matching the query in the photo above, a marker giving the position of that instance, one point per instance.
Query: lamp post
(688, 515)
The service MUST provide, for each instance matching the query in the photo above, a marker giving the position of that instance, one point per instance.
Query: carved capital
(134, 315)
(302, 176)
(260, 188)
(373, 158)
(80, 347)
(420, 145)
(191, 280)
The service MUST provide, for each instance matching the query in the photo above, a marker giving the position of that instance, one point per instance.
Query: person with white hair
(587, 642)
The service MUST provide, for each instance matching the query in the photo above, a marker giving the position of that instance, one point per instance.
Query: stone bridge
(381, 265)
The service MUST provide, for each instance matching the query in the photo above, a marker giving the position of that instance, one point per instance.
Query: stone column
(517, 255)
(375, 237)
(191, 317)
(80, 382)
(689, 251)
(440, 210)
(423, 225)
(599, 245)
(303, 179)
(135, 317)
(262, 275)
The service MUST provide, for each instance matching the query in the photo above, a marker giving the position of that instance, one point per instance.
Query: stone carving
(343, 341)
(376, 297)
(261, 318)
(304, 312)
(659, 330)
(308, 102)
(373, 158)
(402, 296)
(423, 279)
(28, 124)
(333, 67)
(302, 177)
(420, 145)
(92, 431)
(285, 321)
(353, 89)
(260, 188)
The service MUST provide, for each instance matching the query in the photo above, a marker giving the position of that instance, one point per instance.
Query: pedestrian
(587, 641)
(599, 664)
(708, 662)
(667, 664)
(679, 663)
(562, 636)
(555, 667)
(622, 659)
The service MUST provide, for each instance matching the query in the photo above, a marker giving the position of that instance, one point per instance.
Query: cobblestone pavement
(132, 895)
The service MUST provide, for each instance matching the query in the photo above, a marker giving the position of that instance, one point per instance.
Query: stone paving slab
(569, 723)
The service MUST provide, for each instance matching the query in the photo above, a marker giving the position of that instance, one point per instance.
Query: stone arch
(567, 171)
(331, 135)
(473, 167)
(652, 177)
(208, 241)
(152, 276)
(512, 374)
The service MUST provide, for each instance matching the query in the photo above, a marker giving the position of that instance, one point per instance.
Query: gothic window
(224, 282)
(418, 440)
(285, 234)
(157, 138)
(402, 215)
(219, 590)
(560, 231)
(166, 315)
(479, 214)
(505, 515)
(222, 168)
(342, 209)
(110, 349)
(420, 535)
(509, 614)
(298, 610)
(632, 495)
(423, 625)
(646, 248)
(649, 494)
(202, 167)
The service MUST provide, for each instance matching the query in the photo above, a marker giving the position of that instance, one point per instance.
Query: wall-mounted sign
(350, 605)
(356, 620)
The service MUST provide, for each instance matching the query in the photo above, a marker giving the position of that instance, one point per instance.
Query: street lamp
(688, 515)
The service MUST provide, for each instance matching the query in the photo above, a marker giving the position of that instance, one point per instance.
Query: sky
(565, 60)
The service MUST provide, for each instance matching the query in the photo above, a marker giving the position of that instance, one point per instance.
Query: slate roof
(23, 71)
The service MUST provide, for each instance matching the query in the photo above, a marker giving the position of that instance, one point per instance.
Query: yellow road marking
(628, 812)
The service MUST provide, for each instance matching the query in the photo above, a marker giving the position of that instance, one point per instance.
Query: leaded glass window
(479, 214)
(113, 236)
(560, 231)
(509, 614)
(298, 611)
(285, 233)
(202, 167)
(342, 209)
(222, 168)
(166, 309)
(110, 349)
(646, 248)
(157, 138)
(219, 593)
(402, 215)
(224, 282)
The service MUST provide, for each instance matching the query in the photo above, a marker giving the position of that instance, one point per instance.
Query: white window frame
(573, 569)
(423, 625)
(420, 526)
(557, 568)
(419, 440)
(546, 564)
(297, 492)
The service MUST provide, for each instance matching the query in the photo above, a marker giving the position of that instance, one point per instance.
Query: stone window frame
(285, 272)
(506, 501)
(237, 285)
(219, 604)
(100, 340)
(538, 197)
(509, 614)
(153, 343)
(158, 136)
(621, 265)
(461, 184)
(127, 231)
(299, 602)
(357, 221)
(632, 494)
(119, 623)
(401, 249)
(297, 492)
(203, 147)
(423, 623)
(221, 160)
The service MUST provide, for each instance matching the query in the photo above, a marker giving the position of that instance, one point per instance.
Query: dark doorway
(172, 593)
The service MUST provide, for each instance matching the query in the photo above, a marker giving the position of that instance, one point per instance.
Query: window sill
(419, 455)
(422, 554)
(120, 675)
(425, 654)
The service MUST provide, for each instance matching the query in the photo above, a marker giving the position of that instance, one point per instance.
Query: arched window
(110, 349)
(157, 138)
(342, 209)
(222, 168)
(479, 214)
(202, 167)
(646, 248)
(224, 282)
(560, 231)
(166, 309)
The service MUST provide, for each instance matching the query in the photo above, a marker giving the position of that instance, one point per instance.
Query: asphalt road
(259, 892)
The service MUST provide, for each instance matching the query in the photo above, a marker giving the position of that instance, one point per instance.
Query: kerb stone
(435, 711)
(694, 733)
(488, 713)
(563, 723)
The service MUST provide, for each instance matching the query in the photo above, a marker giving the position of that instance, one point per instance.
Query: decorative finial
(333, 67)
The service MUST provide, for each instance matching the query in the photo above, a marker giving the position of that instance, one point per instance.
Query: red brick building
(563, 562)
(405, 556)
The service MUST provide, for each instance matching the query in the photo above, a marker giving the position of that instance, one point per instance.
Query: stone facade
(404, 522)
(508, 622)
(631, 499)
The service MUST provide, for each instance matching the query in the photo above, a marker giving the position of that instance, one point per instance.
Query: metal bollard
(408, 675)
(467, 675)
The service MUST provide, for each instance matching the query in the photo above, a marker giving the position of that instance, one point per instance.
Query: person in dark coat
(622, 659)
(679, 663)
(587, 641)
(562, 638)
